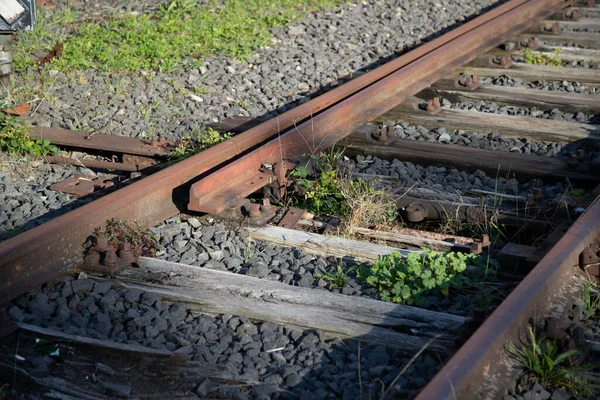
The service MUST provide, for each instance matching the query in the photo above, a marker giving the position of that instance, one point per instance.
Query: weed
(52, 27)
(190, 146)
(591, 299)
(576, 193)
(410, 280)
(331, 191)
(4, 392)
(323, 194)
(15, 139)
(366, 205)
(541, 360)
(180, 30)
(337, 279)
(117, 231)
(542, 59)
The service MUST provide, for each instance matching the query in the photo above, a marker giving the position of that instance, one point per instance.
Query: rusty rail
(49, 250)
(234, 182)
(479, 370)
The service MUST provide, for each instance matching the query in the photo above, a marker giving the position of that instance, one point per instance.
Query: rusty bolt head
(572, 15)
(485, 240)
(469, 81)
(255, 210)
(100, 242)
(433, 106)
(552, 28)
(110, 258)
(503, 61)
(266, 204)
(91, 260)
(126, 252)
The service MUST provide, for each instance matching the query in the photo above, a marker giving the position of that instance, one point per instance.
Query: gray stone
(82, 286)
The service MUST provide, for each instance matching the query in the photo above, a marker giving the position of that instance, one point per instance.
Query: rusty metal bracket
(589, 259)
(82, 185)
(291, 218)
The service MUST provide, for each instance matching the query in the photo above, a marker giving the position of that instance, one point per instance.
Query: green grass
(163, 40)
(15, 139)
(410, 280)
(192, 145)
(542, 361)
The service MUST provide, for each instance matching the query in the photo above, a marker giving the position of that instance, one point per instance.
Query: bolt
(100, 242)
(91, 260)
(469, 81)
(255, 210)
(553, 28)
(110, 258)
(126, 252)
(503, 61)
(433, 106)
(266, 204)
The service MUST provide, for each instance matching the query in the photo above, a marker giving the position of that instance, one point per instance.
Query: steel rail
(232, 183)
(45, 252)
(481, 369)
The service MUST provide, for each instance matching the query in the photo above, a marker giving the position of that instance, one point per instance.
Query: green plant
(190, 146)
(15, 139)
(410, 280)
(337, 279)
(576, 192)
(177, 31)
(540, 359)
(117, 231)
(322, 194)
(542, 59)
(591, 299)
(4, 392)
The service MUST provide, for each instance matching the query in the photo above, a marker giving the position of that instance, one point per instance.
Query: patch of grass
(143, 242)
(322, 194)
(15, 139)
(52, 27)
(591, 299)
(542, 59)
(542, 361)
(193, 145)
(576, 193)
(366, 205)
(337, 279)
(410, 280)
(181, 30)
(331, 191)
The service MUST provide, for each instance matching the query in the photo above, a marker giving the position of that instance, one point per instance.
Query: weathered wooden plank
(583, 23)
(523, 166)
(314, 243)
(412, 240)
(536, 129)
(587, 39)
(524, 97)
(338, 315)
(530, 72)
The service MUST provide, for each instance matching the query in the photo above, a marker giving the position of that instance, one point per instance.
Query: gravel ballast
(288, 363)
(302, 59)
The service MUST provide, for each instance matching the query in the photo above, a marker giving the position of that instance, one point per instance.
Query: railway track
(292, 319)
